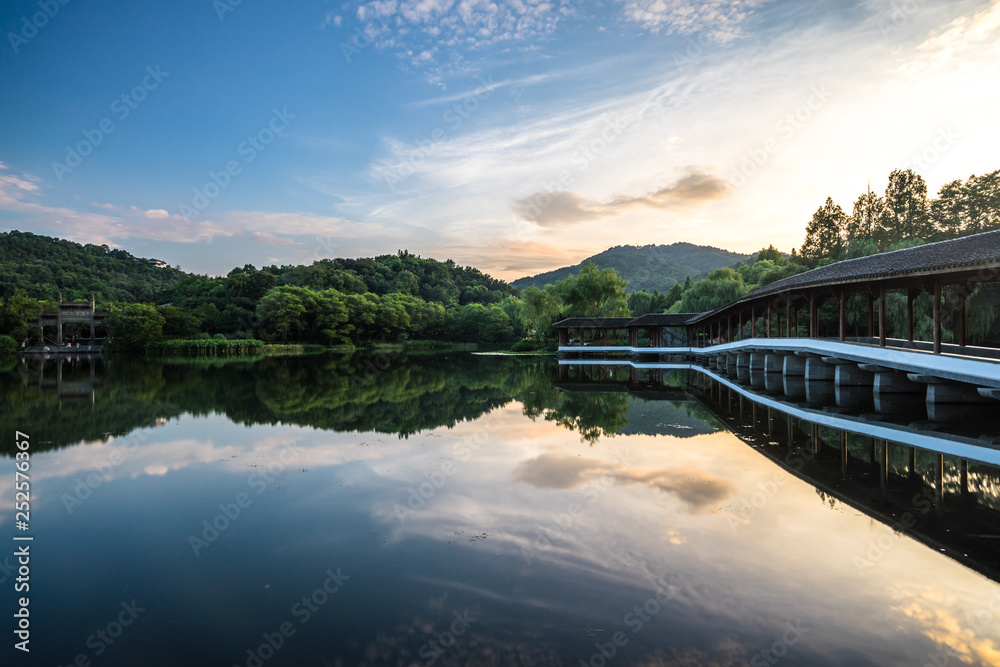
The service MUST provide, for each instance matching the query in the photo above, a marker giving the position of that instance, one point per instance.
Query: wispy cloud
(419, 31)
(722, 20)
(19, 194)
(564, 208)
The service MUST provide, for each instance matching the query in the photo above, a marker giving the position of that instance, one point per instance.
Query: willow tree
(593, 293)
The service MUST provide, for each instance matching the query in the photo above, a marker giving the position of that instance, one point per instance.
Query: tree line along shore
(407, 300)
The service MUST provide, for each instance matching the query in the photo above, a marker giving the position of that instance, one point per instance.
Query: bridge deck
(958, 368)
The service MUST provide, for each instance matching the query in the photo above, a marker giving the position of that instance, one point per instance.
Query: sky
(515, 136)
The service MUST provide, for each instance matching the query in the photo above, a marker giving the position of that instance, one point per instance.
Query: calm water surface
(478, 510)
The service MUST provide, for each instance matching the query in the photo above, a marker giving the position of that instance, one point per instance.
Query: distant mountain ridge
(650, 266)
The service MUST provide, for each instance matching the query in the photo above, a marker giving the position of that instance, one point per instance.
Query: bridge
(875, 464)
(777, 329)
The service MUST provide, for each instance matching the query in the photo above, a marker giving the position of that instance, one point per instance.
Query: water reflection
(459, 509)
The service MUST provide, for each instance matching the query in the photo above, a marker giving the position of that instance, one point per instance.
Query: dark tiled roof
(593, 322)
(969, 252)
(979, 251)
(663, 319)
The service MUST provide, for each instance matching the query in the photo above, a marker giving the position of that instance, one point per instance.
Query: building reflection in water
(929, 471)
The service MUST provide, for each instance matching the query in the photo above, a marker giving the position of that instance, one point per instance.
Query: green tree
(135, 325)
(770, 253)
(719, 288)
(539, 310)
(179, 323)
(593, 293)
(864, 225)
(280, 312)
(907, 215)
(825, 232)
(19, 315)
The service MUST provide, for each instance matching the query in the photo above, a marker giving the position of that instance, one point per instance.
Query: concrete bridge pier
(942, 391)
(731, 365)
(820, 392)
(774, 362)
(757, 361)
(793, 366)
(794, 386)
(773, 381)
(894, 393)
(817, 369)
(743, 367)
(848, 374)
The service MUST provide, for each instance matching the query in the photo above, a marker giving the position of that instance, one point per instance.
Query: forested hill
(653, 267)
(43, 267)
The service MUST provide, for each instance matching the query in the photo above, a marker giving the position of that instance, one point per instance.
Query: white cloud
(416, 29)
(17, 193)
(722, 20)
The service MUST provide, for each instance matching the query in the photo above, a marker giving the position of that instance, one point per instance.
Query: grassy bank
(250, 347)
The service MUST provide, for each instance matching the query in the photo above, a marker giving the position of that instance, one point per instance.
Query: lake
(464, 509)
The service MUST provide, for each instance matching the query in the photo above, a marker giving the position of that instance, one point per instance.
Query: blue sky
(513, 136)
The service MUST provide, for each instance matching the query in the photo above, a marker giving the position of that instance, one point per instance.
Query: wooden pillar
(962, 319)
(871, 314)
(788, 319)
(911, 295)
(813, 316)
(937, 317)
(59, 319)
(883, 466)
(963, 476)
(563, 337)
(939, 480)
(767, 330)
(881, 316)
(796, 325)
(842, 317)
(729, 328)
(843, 454)
(753, 321)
